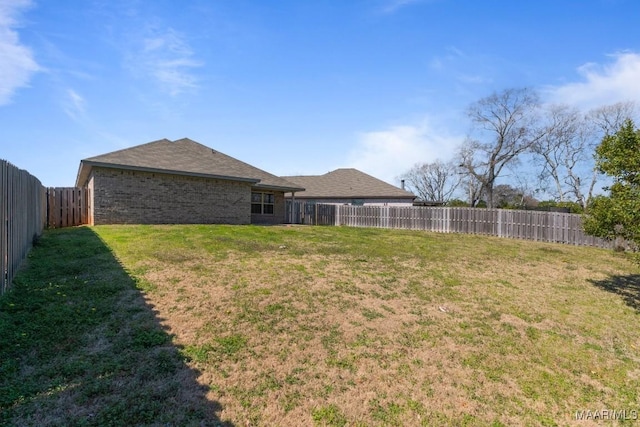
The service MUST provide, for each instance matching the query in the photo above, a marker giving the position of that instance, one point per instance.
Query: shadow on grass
(79, 346)
(628, 287)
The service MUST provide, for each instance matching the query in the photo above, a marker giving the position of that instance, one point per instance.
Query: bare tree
(472, 187)
(610, 118)
(559, 147)
(435, 181)
(566, 149)
(507, 125)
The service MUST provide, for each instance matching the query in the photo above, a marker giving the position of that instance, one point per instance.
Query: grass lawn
(327, 326)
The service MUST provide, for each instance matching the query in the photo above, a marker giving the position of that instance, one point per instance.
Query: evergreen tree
(618, 214)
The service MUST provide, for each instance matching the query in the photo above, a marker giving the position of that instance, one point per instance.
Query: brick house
(348, 187)
(180, 182)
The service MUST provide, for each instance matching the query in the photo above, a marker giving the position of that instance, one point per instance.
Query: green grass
(80, 347)
(317, 326)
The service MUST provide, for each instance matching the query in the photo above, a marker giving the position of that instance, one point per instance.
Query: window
(262, 203)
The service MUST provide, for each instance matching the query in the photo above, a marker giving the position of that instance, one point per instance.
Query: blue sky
(293, 86)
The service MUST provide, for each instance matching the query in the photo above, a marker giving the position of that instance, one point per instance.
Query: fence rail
(22, 218)
(556, 227)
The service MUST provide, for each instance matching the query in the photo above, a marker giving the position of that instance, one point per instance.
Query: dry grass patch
(339, 326)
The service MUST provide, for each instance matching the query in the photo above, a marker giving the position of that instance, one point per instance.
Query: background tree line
(570, 151)
(513, 133)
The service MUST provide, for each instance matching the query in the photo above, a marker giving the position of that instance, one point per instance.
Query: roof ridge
(194, 146)
(184, 156)
(301, 176)
(347, 182)
(122, 150)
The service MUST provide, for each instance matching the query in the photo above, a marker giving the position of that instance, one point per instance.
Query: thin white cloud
(151, 49)
(167, 57)
(454, 59)
(451, 54)
(74, 105)
(473, 79)
(602, 84)
(387, 154)
(17, 64)
(391, 6)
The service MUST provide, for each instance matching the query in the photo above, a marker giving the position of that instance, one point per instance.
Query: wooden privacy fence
(553, 227)
(22, 218)
(67, 206)
(310, 213)
(26, 208)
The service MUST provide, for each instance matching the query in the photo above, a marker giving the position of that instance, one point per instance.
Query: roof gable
(183, 157)
(347, 183)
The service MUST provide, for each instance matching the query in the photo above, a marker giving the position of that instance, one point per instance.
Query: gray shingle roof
(184, 157)
(347, 183)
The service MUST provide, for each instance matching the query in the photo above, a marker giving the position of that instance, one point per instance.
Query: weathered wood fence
(67, 206)
(540, 226)
(26, 208)
(23, 212)
(310, 213)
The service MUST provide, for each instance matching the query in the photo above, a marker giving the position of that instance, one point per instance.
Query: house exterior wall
(278, 216)
(136, 197)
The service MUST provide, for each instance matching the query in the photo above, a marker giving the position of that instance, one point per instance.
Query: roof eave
(82, 177)
(278, 188)
(310, 196)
